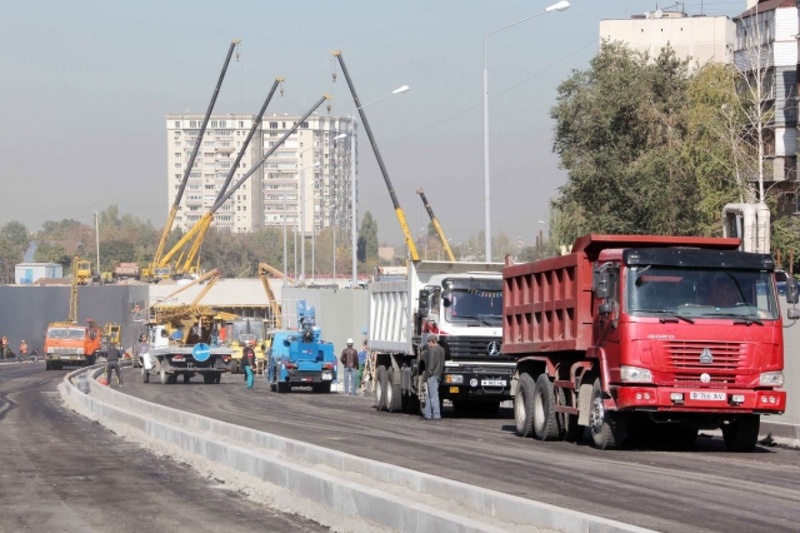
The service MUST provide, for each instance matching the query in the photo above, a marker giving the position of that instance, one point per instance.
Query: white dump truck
(460, 302)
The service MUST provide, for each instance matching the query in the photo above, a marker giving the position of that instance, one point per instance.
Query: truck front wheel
(523, 405)
(741, 435)
(545, 425)
(607, 428)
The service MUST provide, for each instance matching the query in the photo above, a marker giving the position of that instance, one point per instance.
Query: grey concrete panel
(393, 497)
(25, 312)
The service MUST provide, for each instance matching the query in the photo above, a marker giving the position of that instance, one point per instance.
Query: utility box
(29, 273)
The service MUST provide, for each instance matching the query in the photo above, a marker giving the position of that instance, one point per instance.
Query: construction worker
(349, 360)
(249, 362)
(23, 350)
(5, 349)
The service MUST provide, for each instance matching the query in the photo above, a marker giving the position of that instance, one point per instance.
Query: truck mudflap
(476, 382)
(689, 399)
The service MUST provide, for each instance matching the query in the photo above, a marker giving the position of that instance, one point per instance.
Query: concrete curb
(392, 497)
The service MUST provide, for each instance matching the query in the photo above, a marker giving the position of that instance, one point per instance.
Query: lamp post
(303, 221)
(559, 6)
(353, 198)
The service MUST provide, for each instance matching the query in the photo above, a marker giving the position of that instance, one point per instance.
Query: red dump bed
(547, 304)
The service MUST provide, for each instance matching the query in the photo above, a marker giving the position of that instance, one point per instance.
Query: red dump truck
(645, 340)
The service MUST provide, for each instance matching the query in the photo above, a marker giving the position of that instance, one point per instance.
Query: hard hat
(349, 342)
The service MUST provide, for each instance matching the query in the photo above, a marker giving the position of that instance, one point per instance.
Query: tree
(368, 239)
(620, 134)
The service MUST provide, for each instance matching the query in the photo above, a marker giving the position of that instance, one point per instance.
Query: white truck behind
(461, 303)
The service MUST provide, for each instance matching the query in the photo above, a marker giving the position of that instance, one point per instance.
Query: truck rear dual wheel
(394, 395)
(283, 387)
(545, 424)
(523, 406)
(381, 383)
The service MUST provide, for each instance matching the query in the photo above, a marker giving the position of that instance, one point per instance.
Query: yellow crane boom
(175, 205)
(437, 226)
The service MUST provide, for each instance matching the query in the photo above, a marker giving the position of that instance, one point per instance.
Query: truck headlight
(456, 379)
(771, 379)
(634, 374)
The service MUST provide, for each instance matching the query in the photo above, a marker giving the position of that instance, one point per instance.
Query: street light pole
(303, 222)
(353, 197)
(559, 6)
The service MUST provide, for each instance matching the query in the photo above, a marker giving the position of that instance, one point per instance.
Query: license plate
(707, 396)
(327, 376)
(493, 383)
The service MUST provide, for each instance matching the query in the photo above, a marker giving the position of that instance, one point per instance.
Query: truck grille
(65, 350)
(720, 360)
(459, 347)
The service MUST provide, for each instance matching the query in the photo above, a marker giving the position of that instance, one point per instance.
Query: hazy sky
(85, 87)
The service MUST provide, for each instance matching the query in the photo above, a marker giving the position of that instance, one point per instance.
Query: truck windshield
(66, 333)
(247, 330)
(700, 293)
(469, 305)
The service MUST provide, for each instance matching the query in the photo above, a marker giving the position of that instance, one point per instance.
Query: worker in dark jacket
(433, 358)
(113, 356)
(349, 360)
(249, 362)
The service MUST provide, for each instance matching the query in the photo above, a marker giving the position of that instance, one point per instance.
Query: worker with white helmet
(349, 360)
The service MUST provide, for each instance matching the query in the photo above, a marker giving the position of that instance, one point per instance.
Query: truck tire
(523, 405)
(187, 378)
(145, 375)
(545, 424)
(323, 388)
(607, 428)
(394, 394)
(173, 379)
(164, 376)
(741, 435)
(218, 378)
(381, 383)
(48, 365)
(208, 379)
(283, 387)
(234, 366)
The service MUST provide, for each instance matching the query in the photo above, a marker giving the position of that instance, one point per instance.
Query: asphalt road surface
(61, 472)
(72, 475)
(705, 489)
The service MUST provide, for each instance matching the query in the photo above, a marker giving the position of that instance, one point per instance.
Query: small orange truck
(69, 343)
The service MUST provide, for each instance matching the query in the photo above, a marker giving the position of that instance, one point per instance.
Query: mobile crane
(158, 269)
(412, 249)
(437, 226)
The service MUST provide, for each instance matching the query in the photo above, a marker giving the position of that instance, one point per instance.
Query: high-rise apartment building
(304, 184)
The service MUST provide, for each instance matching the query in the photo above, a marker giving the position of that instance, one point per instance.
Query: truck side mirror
(424, 294)
(792, 296)
(601, 285)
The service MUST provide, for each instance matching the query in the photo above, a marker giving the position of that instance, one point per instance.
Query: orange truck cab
(69, 343)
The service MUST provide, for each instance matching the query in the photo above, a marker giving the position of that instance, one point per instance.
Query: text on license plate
(493, 383)
(327, 376)
(707, 396)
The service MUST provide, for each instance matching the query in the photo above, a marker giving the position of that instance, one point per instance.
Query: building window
(192, 123)
(241, 123)
(273, 125)
(177, 124)
(213, 123)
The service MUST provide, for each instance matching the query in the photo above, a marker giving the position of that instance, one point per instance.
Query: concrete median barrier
(368, 492)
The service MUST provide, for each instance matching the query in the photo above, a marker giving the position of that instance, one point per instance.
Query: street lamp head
(558, 6)
(405, 88)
